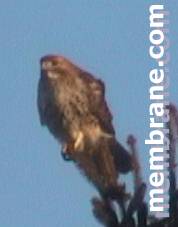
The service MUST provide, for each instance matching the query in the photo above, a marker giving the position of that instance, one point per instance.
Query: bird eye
(54, 63)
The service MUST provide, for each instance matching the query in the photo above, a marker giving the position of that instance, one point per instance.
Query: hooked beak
(46, 65)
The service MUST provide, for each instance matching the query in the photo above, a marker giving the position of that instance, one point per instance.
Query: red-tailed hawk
(72, 105)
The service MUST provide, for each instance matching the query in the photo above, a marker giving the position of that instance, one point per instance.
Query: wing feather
(98, 105)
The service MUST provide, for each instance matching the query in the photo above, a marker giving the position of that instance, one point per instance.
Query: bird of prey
(72, 104)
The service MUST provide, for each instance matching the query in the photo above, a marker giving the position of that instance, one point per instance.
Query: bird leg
(72, 146)
(65, 153)
(68, 148)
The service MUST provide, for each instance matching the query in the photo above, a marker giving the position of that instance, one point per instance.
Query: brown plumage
(72, 105)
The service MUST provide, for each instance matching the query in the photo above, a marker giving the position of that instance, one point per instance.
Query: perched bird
(72, 104)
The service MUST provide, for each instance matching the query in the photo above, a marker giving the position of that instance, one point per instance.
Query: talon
(65, 153)
(64, 148)
(65, 156)
(67, 150)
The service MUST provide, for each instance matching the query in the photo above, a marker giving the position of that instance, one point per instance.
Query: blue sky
(109, 39)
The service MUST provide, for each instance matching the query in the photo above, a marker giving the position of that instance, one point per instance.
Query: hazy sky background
(109, 39)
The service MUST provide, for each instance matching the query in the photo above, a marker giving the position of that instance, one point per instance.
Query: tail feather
(122, 158)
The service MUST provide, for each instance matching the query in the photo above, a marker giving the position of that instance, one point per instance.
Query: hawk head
(55, 67)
